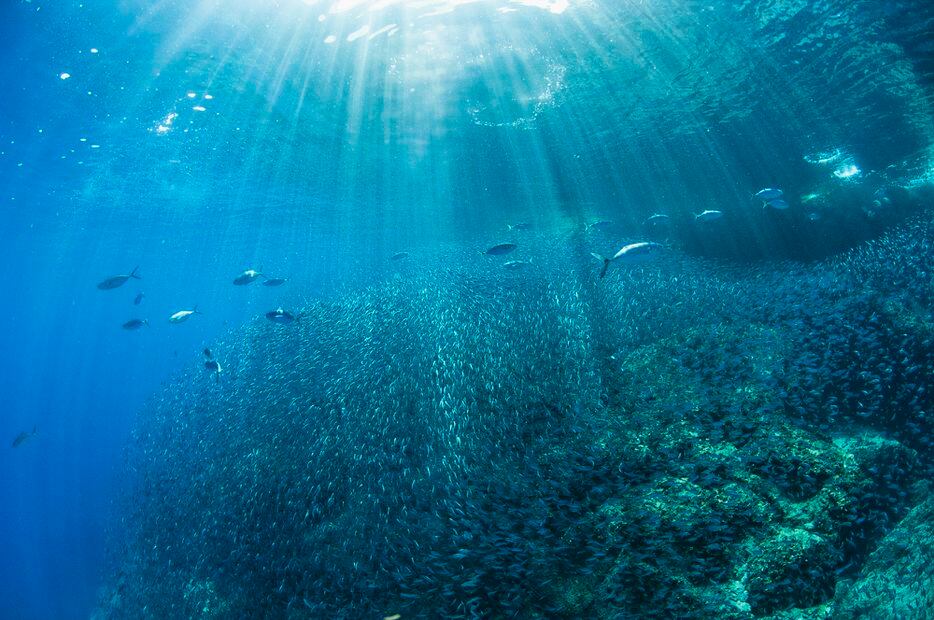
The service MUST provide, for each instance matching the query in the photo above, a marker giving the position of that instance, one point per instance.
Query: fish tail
(133, 273)
(195, 310)
(605, 260)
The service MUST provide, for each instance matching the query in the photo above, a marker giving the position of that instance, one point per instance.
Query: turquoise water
(734, 424)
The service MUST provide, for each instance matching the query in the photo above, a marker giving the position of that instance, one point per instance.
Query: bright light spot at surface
(426, 64)
(435, 7)
(64, 76)
(553, 6)
(94, 50)
(426, 8)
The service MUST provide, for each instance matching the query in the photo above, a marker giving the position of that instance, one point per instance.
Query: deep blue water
(317, 160)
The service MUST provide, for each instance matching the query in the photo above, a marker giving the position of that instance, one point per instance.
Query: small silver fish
(657, 219)
(599, 225)
(710, 215)
(274, 281)
(769, 193)
(183, 315)
(630, 254)
(516, 264)
(399, 256)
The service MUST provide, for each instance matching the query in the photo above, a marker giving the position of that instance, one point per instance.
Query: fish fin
(606, 263)
(195, 310)
(133, 273)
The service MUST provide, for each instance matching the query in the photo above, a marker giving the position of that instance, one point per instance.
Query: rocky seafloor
(681, 440)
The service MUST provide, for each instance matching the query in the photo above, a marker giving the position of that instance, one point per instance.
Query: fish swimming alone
(769, 193)
(777, 204)
(501, 249)
(208, 354)
(519, 226)
(134, 324)
(139, 299)
(117, 281)
(283, 317)
(630, 254)
(183, 315)
(247, 277)
(657, 220)
(516, 264)
(399, 256)
(24, 437)
(599, 225)
(710, 215)
(274, 281)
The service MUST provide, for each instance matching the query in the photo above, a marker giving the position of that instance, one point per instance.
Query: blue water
(316, 160)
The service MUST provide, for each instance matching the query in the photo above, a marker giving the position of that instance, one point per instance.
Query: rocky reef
(683, 440)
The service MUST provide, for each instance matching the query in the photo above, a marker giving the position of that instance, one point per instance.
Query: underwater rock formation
(897, 580)
(678, 440)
